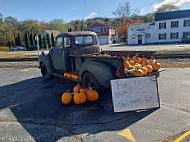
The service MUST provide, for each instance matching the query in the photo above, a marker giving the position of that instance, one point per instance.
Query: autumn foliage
(124, 24)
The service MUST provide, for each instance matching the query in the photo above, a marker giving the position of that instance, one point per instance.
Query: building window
(162, 36)
(174, 24)
(186, 23)
(162, 25)
(174, 36)
(105, 30)
(96, 30)
(186, 34)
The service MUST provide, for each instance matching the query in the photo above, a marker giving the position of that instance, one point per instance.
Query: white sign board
(135, 93)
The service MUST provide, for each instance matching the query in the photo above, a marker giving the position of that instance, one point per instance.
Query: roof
(76, 33)
(55, 33)
(97, 24)
(172, 15)
(141, 25)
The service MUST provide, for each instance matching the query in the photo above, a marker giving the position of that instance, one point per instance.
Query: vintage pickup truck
(76, 52)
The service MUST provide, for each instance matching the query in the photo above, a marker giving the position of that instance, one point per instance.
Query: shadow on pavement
(37, 106)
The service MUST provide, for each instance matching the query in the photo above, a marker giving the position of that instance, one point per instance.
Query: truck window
(84, 40)
(67, 42)
(59, 42)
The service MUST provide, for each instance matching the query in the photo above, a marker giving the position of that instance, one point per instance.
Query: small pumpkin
(76, 88)
(138, 60)
(72, 75)
(145, 62)
(156, 66)
(137, 72)
(76, 77)
(65, 74)
(151, 61)
(127, 65)
(137, 65)
(132, 62)
(144, 69)
(79, 97)
(66, 98)
(134, 58)
(69, 75)
(149, 68)
(92, 95)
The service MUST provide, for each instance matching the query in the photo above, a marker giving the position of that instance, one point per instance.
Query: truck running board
(62, 76)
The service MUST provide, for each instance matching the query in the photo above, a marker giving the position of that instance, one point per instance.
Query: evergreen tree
(52, 40)
(49, 41)
(32, 39)
(19, 40)
(40, 42)
(27, 41)
(45, 41)
(13, 43)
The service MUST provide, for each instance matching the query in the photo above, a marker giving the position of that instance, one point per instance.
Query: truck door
(59, 55)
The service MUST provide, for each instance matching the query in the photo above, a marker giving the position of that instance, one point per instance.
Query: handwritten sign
(135, 93)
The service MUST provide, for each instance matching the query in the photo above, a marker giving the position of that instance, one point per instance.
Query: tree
(122, 10)
(32, 40)
(148, 17)
(19, 40)
(27, 41)
(45, 41)
(13, 43)
(49, 41)
(9, 44)
(167, 8)
(52, 40)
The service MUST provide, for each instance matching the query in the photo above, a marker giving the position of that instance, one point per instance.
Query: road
(31, 110)
(158, 47)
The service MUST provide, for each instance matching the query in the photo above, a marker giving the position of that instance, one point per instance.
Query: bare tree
(123, 10)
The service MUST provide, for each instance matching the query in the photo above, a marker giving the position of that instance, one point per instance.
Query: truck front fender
(103, 72)
(46, 60)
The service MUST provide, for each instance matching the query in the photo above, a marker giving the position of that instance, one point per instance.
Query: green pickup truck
(76, 52)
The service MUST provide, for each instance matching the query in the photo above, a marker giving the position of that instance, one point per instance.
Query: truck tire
(45, 73)
(89, 80)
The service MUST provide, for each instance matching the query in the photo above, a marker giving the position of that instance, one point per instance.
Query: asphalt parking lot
(31, 110)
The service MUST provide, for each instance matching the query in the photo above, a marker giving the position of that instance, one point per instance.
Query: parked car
(33, 47)
(186, 39)
(15, 48)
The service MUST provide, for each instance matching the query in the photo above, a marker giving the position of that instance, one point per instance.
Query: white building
(168, 27)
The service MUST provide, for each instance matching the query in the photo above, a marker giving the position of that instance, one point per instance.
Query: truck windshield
(84, 40)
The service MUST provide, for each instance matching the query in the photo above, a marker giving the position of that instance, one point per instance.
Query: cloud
(73, 8)
(141, 11)
(174, 2)
(93, 14)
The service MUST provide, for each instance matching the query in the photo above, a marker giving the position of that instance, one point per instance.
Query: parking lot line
(182, 136)
(127, 134)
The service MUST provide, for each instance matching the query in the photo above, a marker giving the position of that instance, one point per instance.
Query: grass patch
(4, 48)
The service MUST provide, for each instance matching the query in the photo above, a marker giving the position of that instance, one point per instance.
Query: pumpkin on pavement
(79, 97)
(92, 95)
(66, 98)
(76, 88)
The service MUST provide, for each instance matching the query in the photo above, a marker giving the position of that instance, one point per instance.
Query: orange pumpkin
(149, 68)
(137, 72)
(134, 58)
(151, 61)
(76, 77)
(127, 65)
(76, 88)
(132, 62)
(66, 98)
(65, 74)
(79, 97)
(72, 75)
(156, 66)
(69, 75)
(138, 60)
(144, 69)
(145, 62)
(92, 95)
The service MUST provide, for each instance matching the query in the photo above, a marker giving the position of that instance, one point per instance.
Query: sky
(68, 10)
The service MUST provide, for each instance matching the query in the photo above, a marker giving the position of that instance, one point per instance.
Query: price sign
(135, 93)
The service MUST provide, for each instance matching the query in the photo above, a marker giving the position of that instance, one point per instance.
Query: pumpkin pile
(79, 95)
(140, 66)
(71, 75)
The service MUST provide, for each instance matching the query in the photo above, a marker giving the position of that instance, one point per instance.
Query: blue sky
(47, 10)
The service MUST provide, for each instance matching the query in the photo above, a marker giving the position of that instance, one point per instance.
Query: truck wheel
(89, 80)
(45, 73)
